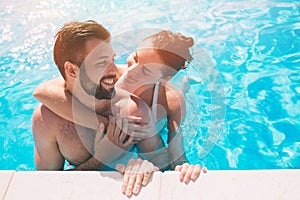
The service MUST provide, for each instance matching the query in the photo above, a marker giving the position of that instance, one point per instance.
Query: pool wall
(219, 184)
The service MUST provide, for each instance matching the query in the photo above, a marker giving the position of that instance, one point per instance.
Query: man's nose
(112, 68)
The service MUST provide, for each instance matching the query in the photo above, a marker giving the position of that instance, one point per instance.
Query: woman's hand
(136, 174)
(189, 172)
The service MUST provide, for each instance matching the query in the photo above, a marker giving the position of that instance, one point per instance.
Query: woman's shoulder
(173, 93)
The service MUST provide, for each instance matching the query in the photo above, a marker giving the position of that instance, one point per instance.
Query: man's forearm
(179, 161)
(159, 158)
(92, 164)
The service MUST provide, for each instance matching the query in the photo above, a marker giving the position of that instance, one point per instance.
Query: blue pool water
(244, 113)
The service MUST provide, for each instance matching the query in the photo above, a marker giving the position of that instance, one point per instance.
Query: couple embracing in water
(99, 115)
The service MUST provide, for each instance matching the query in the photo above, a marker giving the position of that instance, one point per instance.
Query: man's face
(98, 71)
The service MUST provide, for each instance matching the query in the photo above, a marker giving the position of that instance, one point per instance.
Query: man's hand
(136, 174)
(138, 129)
(109, 146)
(189, 172)
(140, 120)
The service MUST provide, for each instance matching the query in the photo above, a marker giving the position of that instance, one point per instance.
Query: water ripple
(254, 45)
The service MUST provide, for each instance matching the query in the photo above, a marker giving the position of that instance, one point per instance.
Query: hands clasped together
(117, 141)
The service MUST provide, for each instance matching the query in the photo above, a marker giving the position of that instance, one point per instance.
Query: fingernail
(186, 179)
(181, 178)
(101, 126)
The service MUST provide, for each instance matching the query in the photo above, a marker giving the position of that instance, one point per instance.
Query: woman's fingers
(196, 172)
(111, 127)
(125, 127)
(178, 168)
(125, 182)
(121, 168)
(99, 133)
(131, 172)
(130, 185)
(127, 175)
(188, 174)
(138, 183)
(146, 177)
(183, 171)
(118, 129)
(134, 119)
(137, 174)
(138, 136)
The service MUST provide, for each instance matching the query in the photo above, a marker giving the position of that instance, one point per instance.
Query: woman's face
(144, 67)
(148, 65)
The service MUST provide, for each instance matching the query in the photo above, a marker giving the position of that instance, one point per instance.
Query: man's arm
(47, 155)
(92, 164)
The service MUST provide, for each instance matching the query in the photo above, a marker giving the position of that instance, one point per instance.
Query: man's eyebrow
(100, 60)
(108, 56)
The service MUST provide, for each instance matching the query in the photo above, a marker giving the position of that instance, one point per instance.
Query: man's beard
(92, 88)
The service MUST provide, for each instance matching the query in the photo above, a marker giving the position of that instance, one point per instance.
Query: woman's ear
(132, 59)
(71, 69)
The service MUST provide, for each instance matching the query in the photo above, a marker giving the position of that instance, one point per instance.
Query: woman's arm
(150, 146)
(179, 162)
(54, 95)
(176, 112)
(154, 150)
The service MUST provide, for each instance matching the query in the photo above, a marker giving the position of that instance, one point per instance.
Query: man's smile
(109, 80)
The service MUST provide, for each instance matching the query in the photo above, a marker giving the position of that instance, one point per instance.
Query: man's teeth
(108, 81)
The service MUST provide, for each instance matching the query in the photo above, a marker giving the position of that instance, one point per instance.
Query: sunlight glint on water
(255, 47)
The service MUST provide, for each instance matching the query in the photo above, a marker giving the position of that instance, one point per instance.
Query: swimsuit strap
(154, 101)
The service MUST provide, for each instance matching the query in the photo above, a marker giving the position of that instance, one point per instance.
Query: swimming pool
(254, 46)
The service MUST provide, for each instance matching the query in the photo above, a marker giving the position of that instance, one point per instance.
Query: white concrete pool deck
(248, 184)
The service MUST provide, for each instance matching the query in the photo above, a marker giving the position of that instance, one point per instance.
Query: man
(57, 139)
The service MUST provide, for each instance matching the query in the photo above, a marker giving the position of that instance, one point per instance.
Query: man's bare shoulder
(44, 121)
(43, 115)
